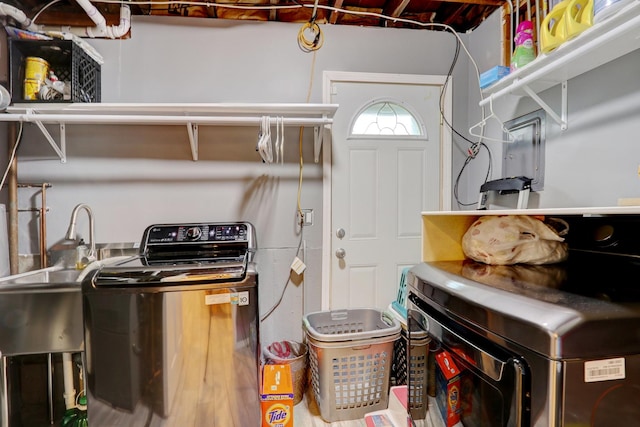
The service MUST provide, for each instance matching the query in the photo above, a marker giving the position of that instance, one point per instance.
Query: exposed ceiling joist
(461, 15)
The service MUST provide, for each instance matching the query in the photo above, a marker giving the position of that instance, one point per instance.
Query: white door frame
(446, 144)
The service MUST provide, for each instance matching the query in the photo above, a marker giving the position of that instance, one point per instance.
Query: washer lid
(188, 254)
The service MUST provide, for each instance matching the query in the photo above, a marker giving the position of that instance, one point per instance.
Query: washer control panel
(177, 234)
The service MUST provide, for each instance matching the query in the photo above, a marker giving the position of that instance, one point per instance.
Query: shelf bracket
(60, 151)
(317, 142)
(562, 119)
(318, 133)
(192, 129)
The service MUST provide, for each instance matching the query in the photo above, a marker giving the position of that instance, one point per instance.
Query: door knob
(340, 233)
(340, 253)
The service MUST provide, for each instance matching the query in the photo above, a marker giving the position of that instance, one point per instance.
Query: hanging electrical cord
(474, 148)
(446, 83)
(286, 283)
(300, 139)
(13, 155)
(466, 162)
(318, 38)
(299, 195)
(43, 8)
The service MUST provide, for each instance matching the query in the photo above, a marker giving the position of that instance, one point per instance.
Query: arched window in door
(386, 118)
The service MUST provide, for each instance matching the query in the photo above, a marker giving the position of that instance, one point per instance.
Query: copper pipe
(43, 219)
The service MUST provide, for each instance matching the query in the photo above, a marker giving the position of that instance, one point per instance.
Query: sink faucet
(71, 232)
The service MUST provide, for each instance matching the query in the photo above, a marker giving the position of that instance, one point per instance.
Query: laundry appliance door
(494, 383)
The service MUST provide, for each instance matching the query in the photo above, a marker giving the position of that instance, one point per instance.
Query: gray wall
(136, 176)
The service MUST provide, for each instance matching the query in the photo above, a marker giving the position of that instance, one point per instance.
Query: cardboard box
(276, 396)
(396, 413)
(448, 388)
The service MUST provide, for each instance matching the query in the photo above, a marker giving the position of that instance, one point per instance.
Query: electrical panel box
(525, 155)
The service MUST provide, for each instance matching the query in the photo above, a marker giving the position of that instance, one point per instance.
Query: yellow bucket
(31, 89)
(35, 68)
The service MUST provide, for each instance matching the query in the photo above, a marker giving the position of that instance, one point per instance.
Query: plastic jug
(525, 51)
(578, 17)
(553, 30)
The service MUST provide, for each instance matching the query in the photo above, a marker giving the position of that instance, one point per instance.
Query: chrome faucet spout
(71, 232)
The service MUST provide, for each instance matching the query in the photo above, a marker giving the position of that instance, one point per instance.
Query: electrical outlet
(307, 216)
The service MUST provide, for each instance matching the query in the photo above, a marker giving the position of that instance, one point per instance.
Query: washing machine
(172, 334)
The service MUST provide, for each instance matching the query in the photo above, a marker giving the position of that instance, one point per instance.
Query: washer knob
(194, 233)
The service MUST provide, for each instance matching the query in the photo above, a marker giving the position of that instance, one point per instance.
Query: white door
(378, 182)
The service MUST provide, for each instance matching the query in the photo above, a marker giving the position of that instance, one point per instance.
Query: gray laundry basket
(350, 356)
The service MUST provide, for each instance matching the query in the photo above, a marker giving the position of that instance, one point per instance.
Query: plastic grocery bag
(516, 239)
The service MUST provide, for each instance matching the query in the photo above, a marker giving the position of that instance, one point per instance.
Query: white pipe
(15, 13)
(94, 14)
(69, 390)
(100, 30)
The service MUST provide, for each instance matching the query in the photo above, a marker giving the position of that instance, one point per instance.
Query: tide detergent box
(276, 396)
(448, 388)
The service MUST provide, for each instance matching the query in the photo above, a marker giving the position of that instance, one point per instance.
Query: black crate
(416, 369)
(69, 62)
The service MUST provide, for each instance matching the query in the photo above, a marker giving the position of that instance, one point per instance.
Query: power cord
(296, 265)
(13, 155)
(466, 163)
(277, 304)
(318, 37)
(474, 148)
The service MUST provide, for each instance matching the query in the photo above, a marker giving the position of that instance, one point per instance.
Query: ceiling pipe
(99, 30)
(94, 14)
(16, 14)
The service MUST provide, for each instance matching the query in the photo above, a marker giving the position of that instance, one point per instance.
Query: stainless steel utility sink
(64, 254)
(41, 312)
(45, 279)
